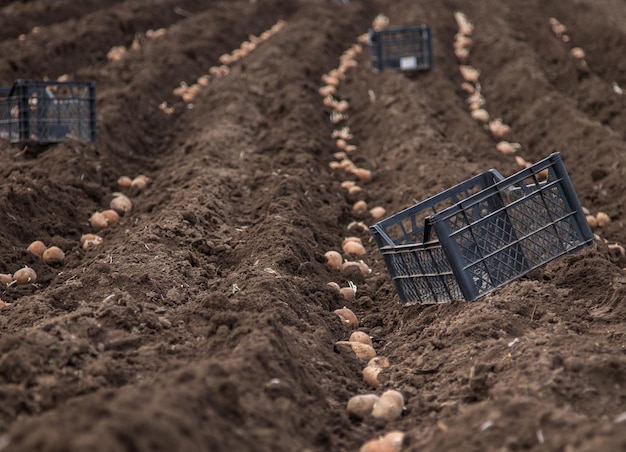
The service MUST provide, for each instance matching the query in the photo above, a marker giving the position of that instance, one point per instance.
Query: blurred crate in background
(43, 112)
(401, 48)
(482, 233)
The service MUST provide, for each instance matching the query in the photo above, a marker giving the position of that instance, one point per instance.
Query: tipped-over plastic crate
(401, 48)
(482, 233)
(42, 112)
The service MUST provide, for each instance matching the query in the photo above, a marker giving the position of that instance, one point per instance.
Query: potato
(333, 260)
(124, 181)
(346, 183)
(389, 406)
(90, 240)
(347, 317)
(353, 247)
(25, 275)
(121, 203)
(480, 114)
(351, 239)
(377, 212)
(362, 351)
(347, 266)
(498, 129)
(359, 207)
(334, 285)
(140, 182)
(5, 279)
(380, 361)
(373, 369)
(396, 438)
(603, 219)
(360, 336)
(506, 147)
(348, 293)
(521, 162)
(394, 395)
(37, 248)
(360, 406)
(370, 375)
(364, 268)
(111, 216)
(53, 254)
(364, 175)
(98, 221)
(378, 445)
(386, 409)
(469, 73)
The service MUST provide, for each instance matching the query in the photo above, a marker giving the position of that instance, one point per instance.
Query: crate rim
(486, 192)
(397, 28)
(379, 226)
(36, 82)
(514, 179)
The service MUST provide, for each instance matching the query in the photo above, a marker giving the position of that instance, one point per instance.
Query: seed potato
(360, 406)
(347, 317)
(348, 293)
(333, 260)
(25, 275)
(5, 279)
(389, 406)
(370, 375)
(602, 219)
(360, 336)
(111, 216)
(53, 255)
(124, 181)
(363, 352)
(121, 203)
(37, 248)
(98, 221)
(378, 445)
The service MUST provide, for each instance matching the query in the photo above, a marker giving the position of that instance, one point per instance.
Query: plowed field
(204, 320)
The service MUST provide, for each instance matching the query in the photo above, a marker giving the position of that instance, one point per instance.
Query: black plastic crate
(401, 48)
(482, 234)
(42, 112)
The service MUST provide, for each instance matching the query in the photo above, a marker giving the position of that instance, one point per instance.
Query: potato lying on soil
(363, 352)
(389, 406)
(360, 406)
(378, 445)
(348, 293)
(25, 275)
(98, 221)
(90, 240)
(348, 317)
(53, 255)
(390, 442)
(121, 203)
(360, 336)
(124, 181)
(370, 376)
(111, 216)
(37, 248)
(5, 279)
(375, 366)
(333, 260)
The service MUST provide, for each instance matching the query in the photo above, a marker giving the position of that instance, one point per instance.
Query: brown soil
(205, 322)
